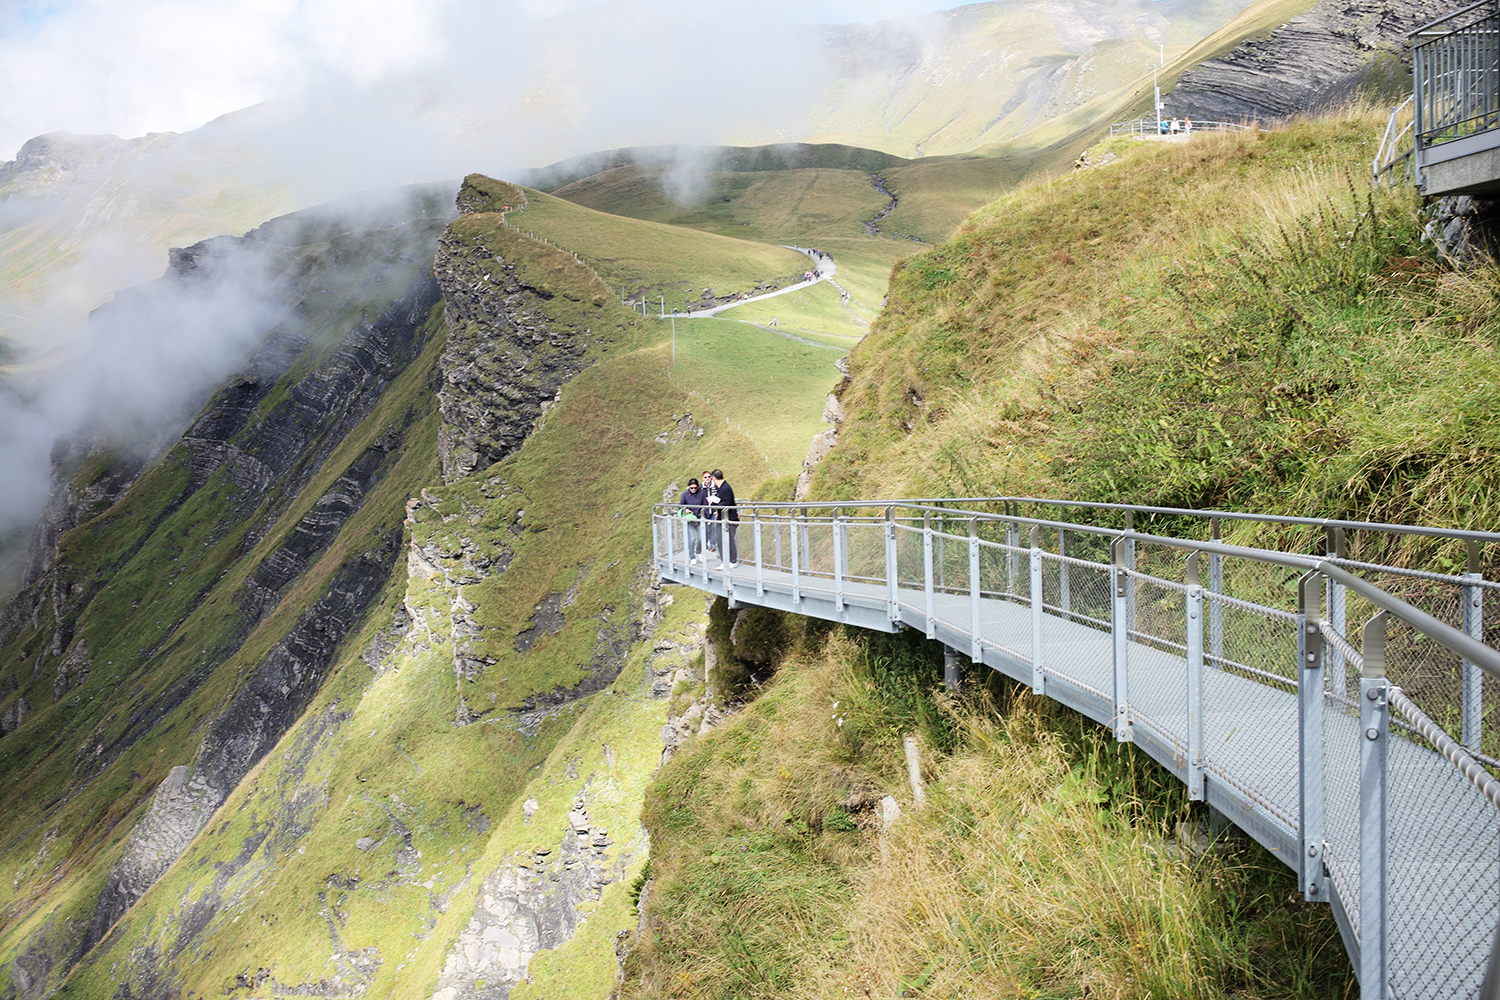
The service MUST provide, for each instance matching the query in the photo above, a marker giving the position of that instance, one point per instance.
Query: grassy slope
(1266, 335)
(655, 259)
(1043, 864)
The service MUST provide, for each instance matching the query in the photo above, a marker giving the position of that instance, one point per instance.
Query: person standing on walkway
(694, 502)
(729, 513)
(711, 512)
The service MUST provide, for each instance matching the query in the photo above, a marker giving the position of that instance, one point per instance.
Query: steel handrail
(931, 505)
(1446, 635)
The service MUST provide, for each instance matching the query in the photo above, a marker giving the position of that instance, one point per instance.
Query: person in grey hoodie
(694, 502)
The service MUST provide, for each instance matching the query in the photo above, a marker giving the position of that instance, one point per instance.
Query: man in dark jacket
(722, 499)
(694, 502)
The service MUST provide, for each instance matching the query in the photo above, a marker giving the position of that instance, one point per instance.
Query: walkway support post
(1337, 670)
(976, 644)
(892, 597)
(1310, 688)
(930, 615)
(1194, 601)
(952, 670)
(1119, 631)
(1473, 625)
(1036, 609)
(1374, 724)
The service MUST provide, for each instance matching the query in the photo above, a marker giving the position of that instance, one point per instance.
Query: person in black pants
(722, 497)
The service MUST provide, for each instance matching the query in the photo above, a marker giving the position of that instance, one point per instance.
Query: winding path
(823, 267)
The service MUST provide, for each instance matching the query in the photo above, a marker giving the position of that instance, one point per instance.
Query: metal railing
(1233, 666)
(1391, 161)
(1456, 75)
(1143, 127)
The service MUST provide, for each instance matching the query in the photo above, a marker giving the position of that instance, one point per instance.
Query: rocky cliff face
(104, 657)
(508, 352)
(1313, 61)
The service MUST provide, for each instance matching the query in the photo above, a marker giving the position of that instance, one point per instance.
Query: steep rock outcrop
(506, 358)
(1313, 61)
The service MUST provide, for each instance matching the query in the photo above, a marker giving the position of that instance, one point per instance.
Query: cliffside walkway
(1236, 668)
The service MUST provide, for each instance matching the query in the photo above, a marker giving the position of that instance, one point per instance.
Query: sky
(131, 67)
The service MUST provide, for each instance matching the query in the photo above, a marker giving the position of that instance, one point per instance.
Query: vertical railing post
(1374, 724)
(1130, 622)
(1215, 585)
(1473, 624)
(1118, 627)
(1036, 609)
(776, 541)
(1337, 671)
(794, 537)
(1310, 694)
(838, 560)
(656, 546)
(1064, 588)
(976, 626)
(760, 568)
(892, 579)
(1194, 609)
(702, 524)
(927, 574)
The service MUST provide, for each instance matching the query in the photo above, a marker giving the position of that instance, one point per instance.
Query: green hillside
(651, 259)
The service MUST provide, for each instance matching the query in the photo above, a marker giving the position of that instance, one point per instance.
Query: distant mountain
(83, 216)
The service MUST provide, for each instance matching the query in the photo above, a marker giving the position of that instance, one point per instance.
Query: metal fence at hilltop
(1149, 128)
(1334, 701)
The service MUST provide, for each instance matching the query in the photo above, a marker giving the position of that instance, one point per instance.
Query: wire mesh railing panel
(1440, 831)
(815, 549)
(911, 574)
(864, 552)
(1076, 633)
(1250, 715)
(951, 603)
(1157, 661)
(1005, 583)
(1341, 743)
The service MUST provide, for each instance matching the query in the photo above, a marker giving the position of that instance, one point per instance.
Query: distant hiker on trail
(1176, 125)
(693, 501)
(728, 512)
(1187, 126)
(772, 321)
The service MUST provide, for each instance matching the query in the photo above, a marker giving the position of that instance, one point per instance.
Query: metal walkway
(1230, 666)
